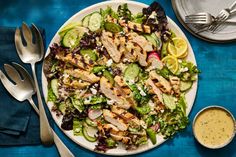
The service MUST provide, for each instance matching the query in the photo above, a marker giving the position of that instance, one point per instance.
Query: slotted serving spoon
(22, 89)
(32, 51)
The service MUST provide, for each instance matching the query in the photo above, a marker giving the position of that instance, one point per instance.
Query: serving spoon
(22, 89)
(32, 51)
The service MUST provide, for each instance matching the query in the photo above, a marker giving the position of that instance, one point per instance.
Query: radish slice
(155, 127)
(93, 114)
(154, 61)
(154, 54)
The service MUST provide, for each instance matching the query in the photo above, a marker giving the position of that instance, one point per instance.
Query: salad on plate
(120, 78)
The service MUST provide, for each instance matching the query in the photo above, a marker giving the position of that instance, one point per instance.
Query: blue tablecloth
(217, 82)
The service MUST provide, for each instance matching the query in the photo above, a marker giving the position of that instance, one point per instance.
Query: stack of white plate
(187, 7)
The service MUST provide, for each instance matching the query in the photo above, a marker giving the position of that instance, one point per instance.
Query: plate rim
(45, 83)
(174, 6)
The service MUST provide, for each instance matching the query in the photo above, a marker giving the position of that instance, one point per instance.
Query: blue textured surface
(217, 82)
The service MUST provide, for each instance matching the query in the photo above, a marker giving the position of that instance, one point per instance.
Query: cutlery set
(30, 48)
(205, 21)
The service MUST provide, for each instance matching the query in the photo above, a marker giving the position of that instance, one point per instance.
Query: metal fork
(204, 18)
(222, 17)
(199, 18)
(22, 89)
(32, 52)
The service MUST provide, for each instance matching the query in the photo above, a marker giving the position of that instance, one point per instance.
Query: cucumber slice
(87, 136)
(85, 20)
(184, 86)
(152, 135)
(109, 76)
(90, 122)
(54, 86)
(151, 39)
(73, 36)
(95, 21)
(169, 101)
(62, 107)
(158, 40)
(112, 27)
(90, 53)
(77, 127)
(131, 72)
(164, 50)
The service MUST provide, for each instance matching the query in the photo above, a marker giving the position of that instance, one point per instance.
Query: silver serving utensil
(22, 89)
(32, 52)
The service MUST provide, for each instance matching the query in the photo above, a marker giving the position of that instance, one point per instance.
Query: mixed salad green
(121, 74)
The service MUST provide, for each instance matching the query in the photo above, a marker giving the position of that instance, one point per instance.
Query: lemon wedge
(178, 48)
(172, 63)
(184, 55)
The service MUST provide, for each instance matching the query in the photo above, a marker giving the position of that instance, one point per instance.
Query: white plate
(134, 7)
(187, 7)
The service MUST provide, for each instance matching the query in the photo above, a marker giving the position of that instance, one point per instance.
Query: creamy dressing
(214, 127)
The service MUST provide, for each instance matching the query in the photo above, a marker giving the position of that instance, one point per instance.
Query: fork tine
(18, 42)
(8, 85)
(26, 76)
(196, 22)
(12, 73)
(195, 18)
(213, 29)
(198, 14)
(26, 32)
(221, 21)
(38, 36)
(5, 79)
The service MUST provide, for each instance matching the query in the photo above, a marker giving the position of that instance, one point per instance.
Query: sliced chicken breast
(110, 92)
(74, 59)
(111, 47)
(83, 75)
(161, 80)
(114, 119)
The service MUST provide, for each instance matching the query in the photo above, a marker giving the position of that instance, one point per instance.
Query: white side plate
(187, 7)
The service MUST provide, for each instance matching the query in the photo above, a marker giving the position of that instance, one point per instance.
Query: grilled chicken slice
(74, 59)
(135, 26)
(79, 84)
(111, 47)
(128, 99)
(139, 27)
(120, 136)
(114, 119)
(109, 91)
(115, 133)
(142, 42)
(142, 55)
(110, 128)
(161, 80)
(175, 83)
(127, 116)
(83, 75)
(120, 81)
(126, 90)
(155, 89)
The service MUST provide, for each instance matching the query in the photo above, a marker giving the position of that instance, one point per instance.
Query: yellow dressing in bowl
(214, 127)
